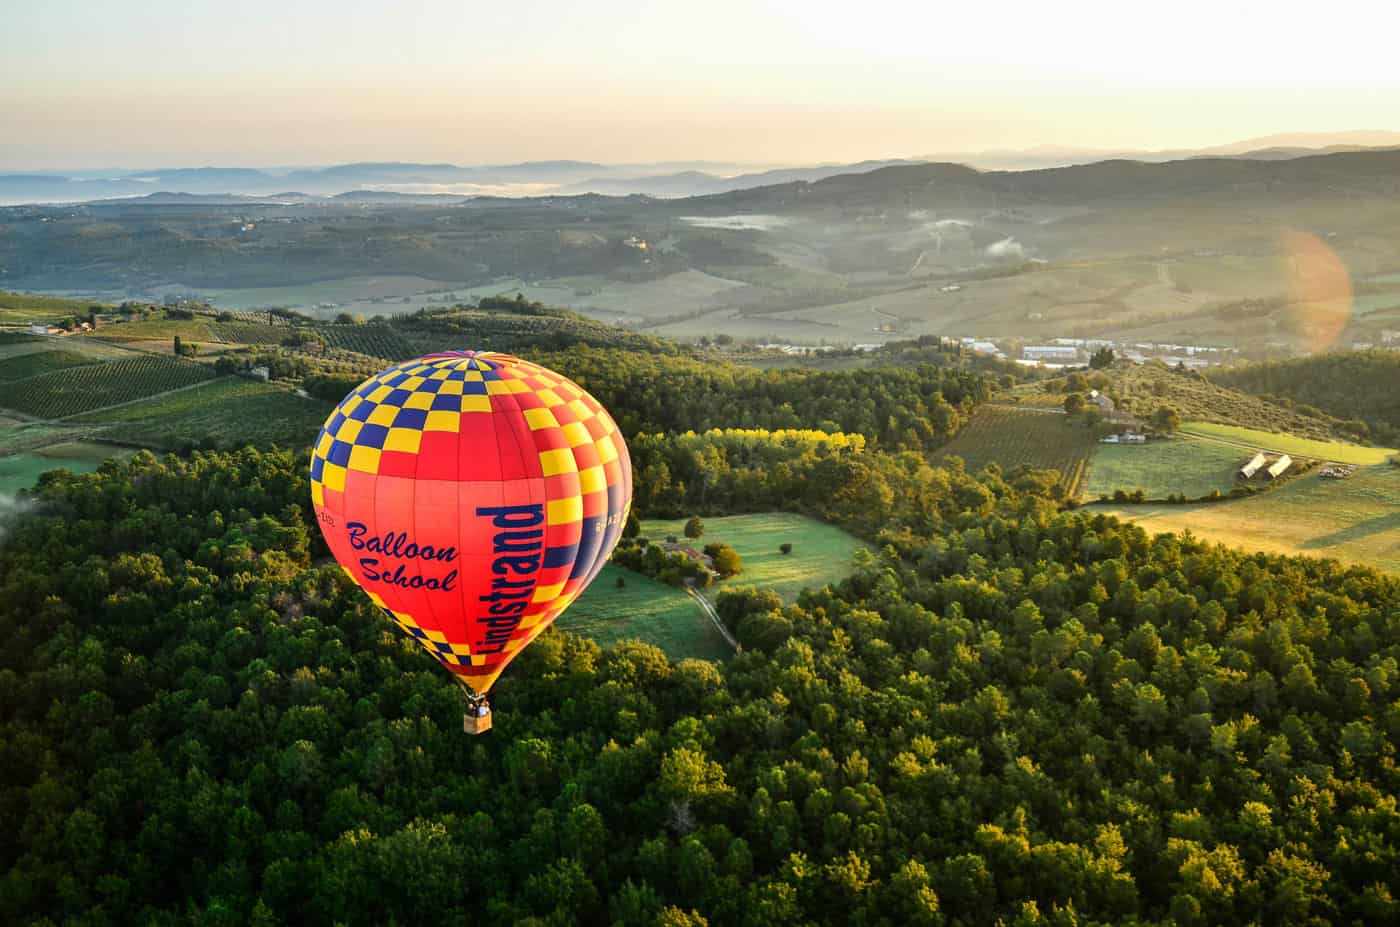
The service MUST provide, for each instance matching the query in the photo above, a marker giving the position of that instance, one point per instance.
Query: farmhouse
(1277, 468)
(690, 552)
(1103, 402)
(1252, 467)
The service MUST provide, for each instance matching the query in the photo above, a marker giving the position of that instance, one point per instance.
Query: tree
(1101, 358)
(632, 527)
(725, 558)
(1165, 420)
(785, 548)
(179, 347)
(694, 527)
(1074, 403)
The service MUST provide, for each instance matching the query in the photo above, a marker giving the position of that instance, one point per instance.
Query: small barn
(1277, 468)
(1252, 467)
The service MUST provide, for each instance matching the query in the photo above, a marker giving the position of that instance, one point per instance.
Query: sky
(161, 83)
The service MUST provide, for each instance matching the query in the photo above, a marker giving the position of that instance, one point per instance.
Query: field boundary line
(1199, 436)
(132, 402)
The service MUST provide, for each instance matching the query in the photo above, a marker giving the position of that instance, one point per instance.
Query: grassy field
(21, 471)
(17, 346)
(16, 435)
(1355, 520)
(1179, 466)
(644, 610)
(233, 411)
(196, 330)
(93, 386)
(1338, 451)
(24, 307)
(1009, 436)
(27, 365)
(821, 553)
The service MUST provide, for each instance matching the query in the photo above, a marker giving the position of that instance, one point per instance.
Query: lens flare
(1319, 290)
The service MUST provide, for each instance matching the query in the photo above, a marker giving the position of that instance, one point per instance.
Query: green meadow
(821, 553)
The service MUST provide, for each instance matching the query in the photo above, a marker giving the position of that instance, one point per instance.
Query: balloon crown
(480, 360)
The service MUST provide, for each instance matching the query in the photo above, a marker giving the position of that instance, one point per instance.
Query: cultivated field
(230, 411)
(83, 389)
(248, 332)
(644, 610)
(1356, 520)
(1008, 436)
(373, 340)
(1338, 451)
(821, 553)
(20, 366)
(1182, 466)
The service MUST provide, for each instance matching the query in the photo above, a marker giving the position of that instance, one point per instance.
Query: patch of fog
(11, 508)
(758, 221)
(1006, 248)
(466, 189)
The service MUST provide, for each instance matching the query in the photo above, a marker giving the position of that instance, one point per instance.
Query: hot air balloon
(473, 496)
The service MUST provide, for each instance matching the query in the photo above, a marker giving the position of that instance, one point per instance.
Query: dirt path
(709, 610)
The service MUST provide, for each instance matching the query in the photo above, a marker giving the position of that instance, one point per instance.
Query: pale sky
(151, 83)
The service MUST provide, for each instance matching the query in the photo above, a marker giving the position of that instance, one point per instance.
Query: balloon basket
(476, 724)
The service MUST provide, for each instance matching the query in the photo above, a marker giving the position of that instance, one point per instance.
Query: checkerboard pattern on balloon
(421, 448)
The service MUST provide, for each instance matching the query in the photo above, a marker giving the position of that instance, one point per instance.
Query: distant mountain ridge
(923, 185)
(568, 177)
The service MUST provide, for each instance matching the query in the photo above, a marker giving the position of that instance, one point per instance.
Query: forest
(1014, 712)
(1025, 715)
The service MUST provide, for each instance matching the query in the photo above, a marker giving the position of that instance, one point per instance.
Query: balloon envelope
(473, 496)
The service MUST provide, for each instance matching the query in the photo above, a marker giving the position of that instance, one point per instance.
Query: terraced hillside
(1142, 388)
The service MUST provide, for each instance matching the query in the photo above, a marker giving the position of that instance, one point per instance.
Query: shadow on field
(1355, 532)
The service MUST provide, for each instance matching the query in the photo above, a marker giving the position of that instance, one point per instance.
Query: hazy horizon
(88, 86)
